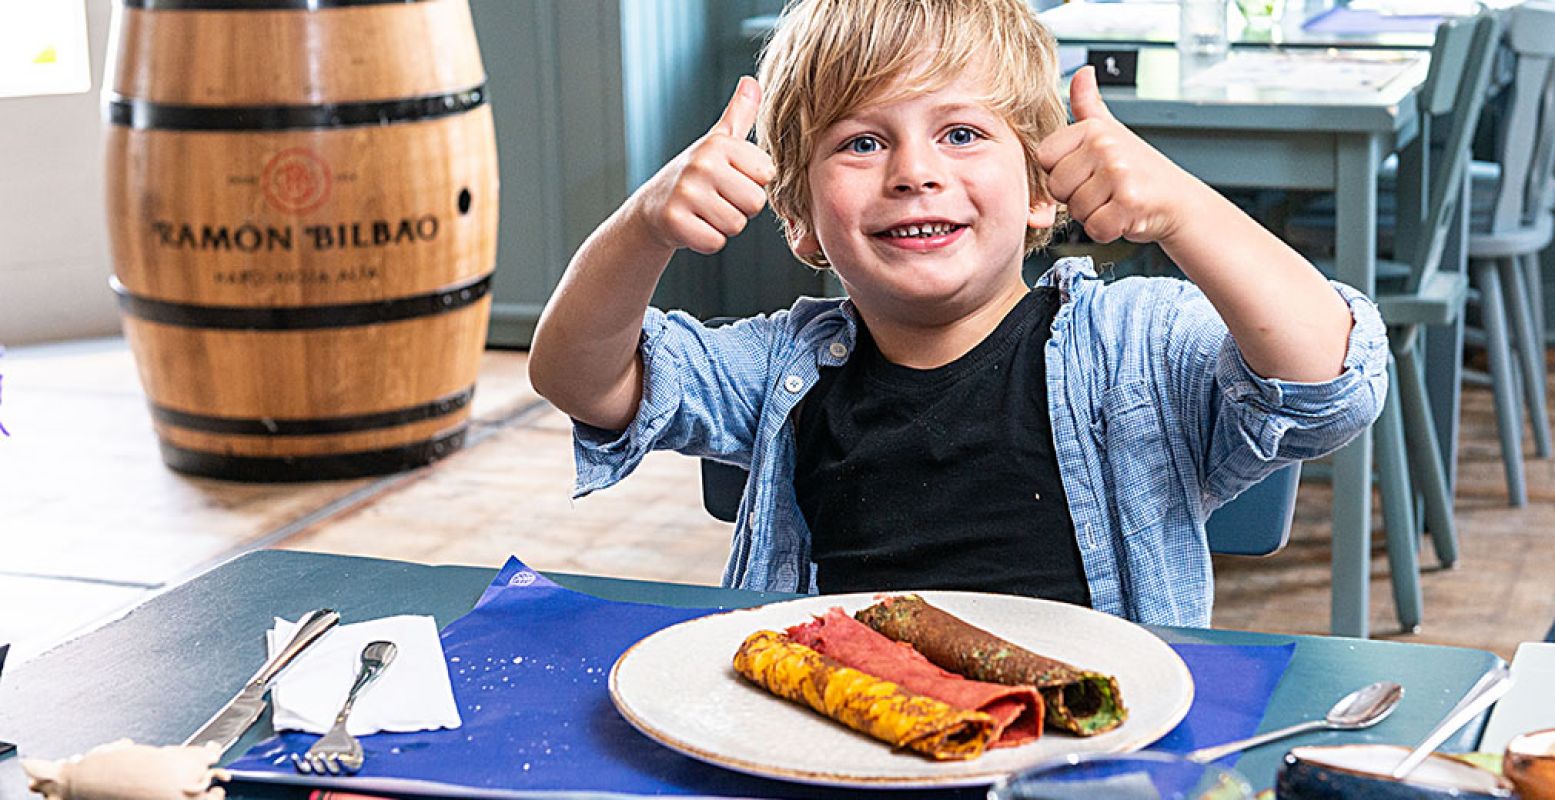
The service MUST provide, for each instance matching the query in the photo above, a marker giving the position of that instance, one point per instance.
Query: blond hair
(828, 58)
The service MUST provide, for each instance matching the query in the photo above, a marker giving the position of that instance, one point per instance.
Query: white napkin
(412, 694)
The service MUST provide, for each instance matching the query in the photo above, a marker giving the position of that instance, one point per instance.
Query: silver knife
(240, 712)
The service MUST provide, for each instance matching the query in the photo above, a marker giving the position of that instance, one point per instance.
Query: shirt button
(838, 350)
(793, 383)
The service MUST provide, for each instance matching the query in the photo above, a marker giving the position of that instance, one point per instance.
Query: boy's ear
(1043, 214)
(802, 246)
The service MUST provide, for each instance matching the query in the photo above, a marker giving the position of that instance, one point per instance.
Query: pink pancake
(1017, 709)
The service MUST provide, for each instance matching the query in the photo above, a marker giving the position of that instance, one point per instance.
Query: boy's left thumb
(1085, 98)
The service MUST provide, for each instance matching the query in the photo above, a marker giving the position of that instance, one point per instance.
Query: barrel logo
(296, 181)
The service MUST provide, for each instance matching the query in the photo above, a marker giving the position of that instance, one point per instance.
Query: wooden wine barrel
(302, 202)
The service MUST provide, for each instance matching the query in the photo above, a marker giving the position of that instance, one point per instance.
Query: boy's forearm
(1287, 320)
(584, 354)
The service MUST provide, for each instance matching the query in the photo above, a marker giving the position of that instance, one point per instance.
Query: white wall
(54, 263)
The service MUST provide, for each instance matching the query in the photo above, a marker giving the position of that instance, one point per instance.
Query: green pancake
(1079, 701)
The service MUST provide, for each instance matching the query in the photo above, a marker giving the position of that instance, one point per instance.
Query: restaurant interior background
(134, 597)
(589, 97)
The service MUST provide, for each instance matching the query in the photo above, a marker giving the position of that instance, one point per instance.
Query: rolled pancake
(1016, 710)
(861, 701)
(1079, 701)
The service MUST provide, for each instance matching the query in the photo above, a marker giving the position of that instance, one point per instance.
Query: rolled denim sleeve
(1262, 423)
(702, 390)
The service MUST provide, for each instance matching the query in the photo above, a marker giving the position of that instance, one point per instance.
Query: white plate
(679, 687)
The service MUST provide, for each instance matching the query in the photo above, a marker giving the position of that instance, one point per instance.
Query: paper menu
(1311, 72)
(1530, 705)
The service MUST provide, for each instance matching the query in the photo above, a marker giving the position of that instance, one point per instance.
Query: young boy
(947, 426)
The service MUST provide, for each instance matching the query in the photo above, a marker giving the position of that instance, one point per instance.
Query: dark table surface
(156, 674)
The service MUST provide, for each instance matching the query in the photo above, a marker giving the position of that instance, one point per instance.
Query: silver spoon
(1361, 708)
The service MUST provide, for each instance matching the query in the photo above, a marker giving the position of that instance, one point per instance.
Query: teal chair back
(1256, 523)
(1450, 103)
(1525, 137)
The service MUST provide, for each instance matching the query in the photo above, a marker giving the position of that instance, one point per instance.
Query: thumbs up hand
(708, 192)
(1114, 183)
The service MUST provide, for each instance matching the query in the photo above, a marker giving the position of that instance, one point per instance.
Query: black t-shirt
(943, 478)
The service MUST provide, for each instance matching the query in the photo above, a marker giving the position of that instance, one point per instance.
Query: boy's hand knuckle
(755, 202)
(698, 194)
(676, 221)
(677, 199)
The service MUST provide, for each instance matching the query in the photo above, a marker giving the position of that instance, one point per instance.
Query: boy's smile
(922, 234)
(921, 204)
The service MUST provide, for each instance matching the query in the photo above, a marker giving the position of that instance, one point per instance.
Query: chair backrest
(1256, 523)
(1525, 140)
(1450, 99)
(722, 487)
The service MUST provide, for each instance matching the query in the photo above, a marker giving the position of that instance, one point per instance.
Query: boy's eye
(862, 145)
(961, 135)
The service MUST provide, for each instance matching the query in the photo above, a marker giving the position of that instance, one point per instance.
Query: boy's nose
(914, 171)
(914, 186)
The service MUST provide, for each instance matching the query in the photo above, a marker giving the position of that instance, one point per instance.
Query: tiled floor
(91, 522)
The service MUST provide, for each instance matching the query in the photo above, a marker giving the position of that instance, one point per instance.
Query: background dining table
(158, 672)
(1304, 24)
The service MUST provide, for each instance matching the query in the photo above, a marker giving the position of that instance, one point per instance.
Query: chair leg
(1492, 311)
(1520, 319)
(1426, 468)
(1398, 508)
(1533, 276)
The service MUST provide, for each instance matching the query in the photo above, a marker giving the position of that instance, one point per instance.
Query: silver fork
(338, 752)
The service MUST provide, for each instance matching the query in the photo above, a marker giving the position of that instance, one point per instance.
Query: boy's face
(921, 204)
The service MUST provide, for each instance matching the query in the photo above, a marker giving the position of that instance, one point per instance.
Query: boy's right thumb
(740, 115)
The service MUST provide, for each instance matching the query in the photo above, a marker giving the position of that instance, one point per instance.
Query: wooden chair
(1506, 290)
(1511, 223)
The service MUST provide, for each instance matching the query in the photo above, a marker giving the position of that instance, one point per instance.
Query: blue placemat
(1232, 686)
(1347, 21)
(529, 667)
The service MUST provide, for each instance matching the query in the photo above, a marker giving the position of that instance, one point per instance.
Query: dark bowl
(1360, 772)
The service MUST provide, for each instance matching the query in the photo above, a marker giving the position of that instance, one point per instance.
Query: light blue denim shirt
(1157, 420)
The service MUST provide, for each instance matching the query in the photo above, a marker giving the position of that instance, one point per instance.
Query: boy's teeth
(932, 229)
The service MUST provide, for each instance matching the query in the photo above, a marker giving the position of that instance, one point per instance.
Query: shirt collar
(1066, 272)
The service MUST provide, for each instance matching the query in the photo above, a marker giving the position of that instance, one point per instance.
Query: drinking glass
(1261, 15)
(1201, 30)
(1127, 776)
